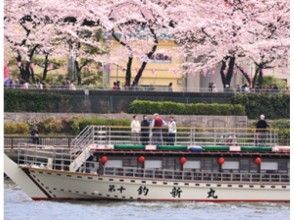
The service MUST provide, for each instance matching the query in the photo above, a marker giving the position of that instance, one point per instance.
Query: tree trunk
(139, 74)
(149, 55)
(45, 71)
(223, 75)
(230, 71)
(227, 77)
(255, 76)
(24, 71)
(78, 71)
(31, 72)
(260, 77)
(129, 72)
(247, 77)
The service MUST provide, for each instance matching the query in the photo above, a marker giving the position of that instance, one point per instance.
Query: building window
(161, 58)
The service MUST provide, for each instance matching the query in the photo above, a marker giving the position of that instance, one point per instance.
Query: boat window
(114, 163)
(283, 166)
(231, 165)
(151, 164)
(269, 166)
(192, 165)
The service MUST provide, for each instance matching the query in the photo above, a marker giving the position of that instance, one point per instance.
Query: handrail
(82, 140)
(60, 160)
(191, 175)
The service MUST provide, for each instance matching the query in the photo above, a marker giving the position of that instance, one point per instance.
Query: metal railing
(12, 141)
(147, 88)
(122, 135)
(59, 160)
(84, 138)
(185, 136)
(191, 175)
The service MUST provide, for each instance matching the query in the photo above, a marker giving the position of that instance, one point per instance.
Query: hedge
(31, 101)
(274, 106)
(77, 124)
(283, 127)
(19, 100)
(61, 126)
(151, 107)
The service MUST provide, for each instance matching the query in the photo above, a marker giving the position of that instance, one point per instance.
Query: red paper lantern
(183, 160)
(103, 160)
(257, 160)
(221, 160)
(141, 159)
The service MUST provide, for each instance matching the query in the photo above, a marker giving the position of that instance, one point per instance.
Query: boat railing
(196, 175)
(84, 138)
(110, 135)
(47, 156)
(59, 159)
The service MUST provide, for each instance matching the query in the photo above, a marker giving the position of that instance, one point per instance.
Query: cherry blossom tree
(209, 33)
(231, 31)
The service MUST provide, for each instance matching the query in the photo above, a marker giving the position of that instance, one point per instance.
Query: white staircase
(80, 159)
(81, 146)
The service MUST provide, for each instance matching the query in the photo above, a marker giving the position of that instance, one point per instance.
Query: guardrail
(12, 141)
(149, 89)
(59, 159)
(191, 175)
(123, 135)
(184, 136)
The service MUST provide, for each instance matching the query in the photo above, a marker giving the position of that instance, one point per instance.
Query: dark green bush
(274, 106)
(151, 107)
(77, 124)
(283, 129)
(30, 101)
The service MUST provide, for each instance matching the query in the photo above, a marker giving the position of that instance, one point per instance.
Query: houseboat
(206, 165)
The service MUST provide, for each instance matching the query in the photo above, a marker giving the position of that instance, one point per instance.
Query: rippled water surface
(18, 206)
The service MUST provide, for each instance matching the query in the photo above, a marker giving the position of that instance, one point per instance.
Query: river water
(18, 206)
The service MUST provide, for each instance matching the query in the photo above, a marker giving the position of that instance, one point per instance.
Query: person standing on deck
(135, 130)
(157, 125)
(261, 130)
(172, 130)
(145, 130)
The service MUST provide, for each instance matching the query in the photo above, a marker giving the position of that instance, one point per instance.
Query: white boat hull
(70, 185)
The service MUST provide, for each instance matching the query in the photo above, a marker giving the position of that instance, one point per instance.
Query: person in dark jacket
(35, 135)
(261, 130)
(145, 130)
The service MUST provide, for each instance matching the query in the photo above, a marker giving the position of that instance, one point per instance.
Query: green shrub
(50, 125)
(151, 107)
(16, 128)
(274, 106)
(77, 124)
(283, 127)
(31, 101)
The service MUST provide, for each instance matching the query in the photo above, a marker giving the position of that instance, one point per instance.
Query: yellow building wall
(156, 73)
